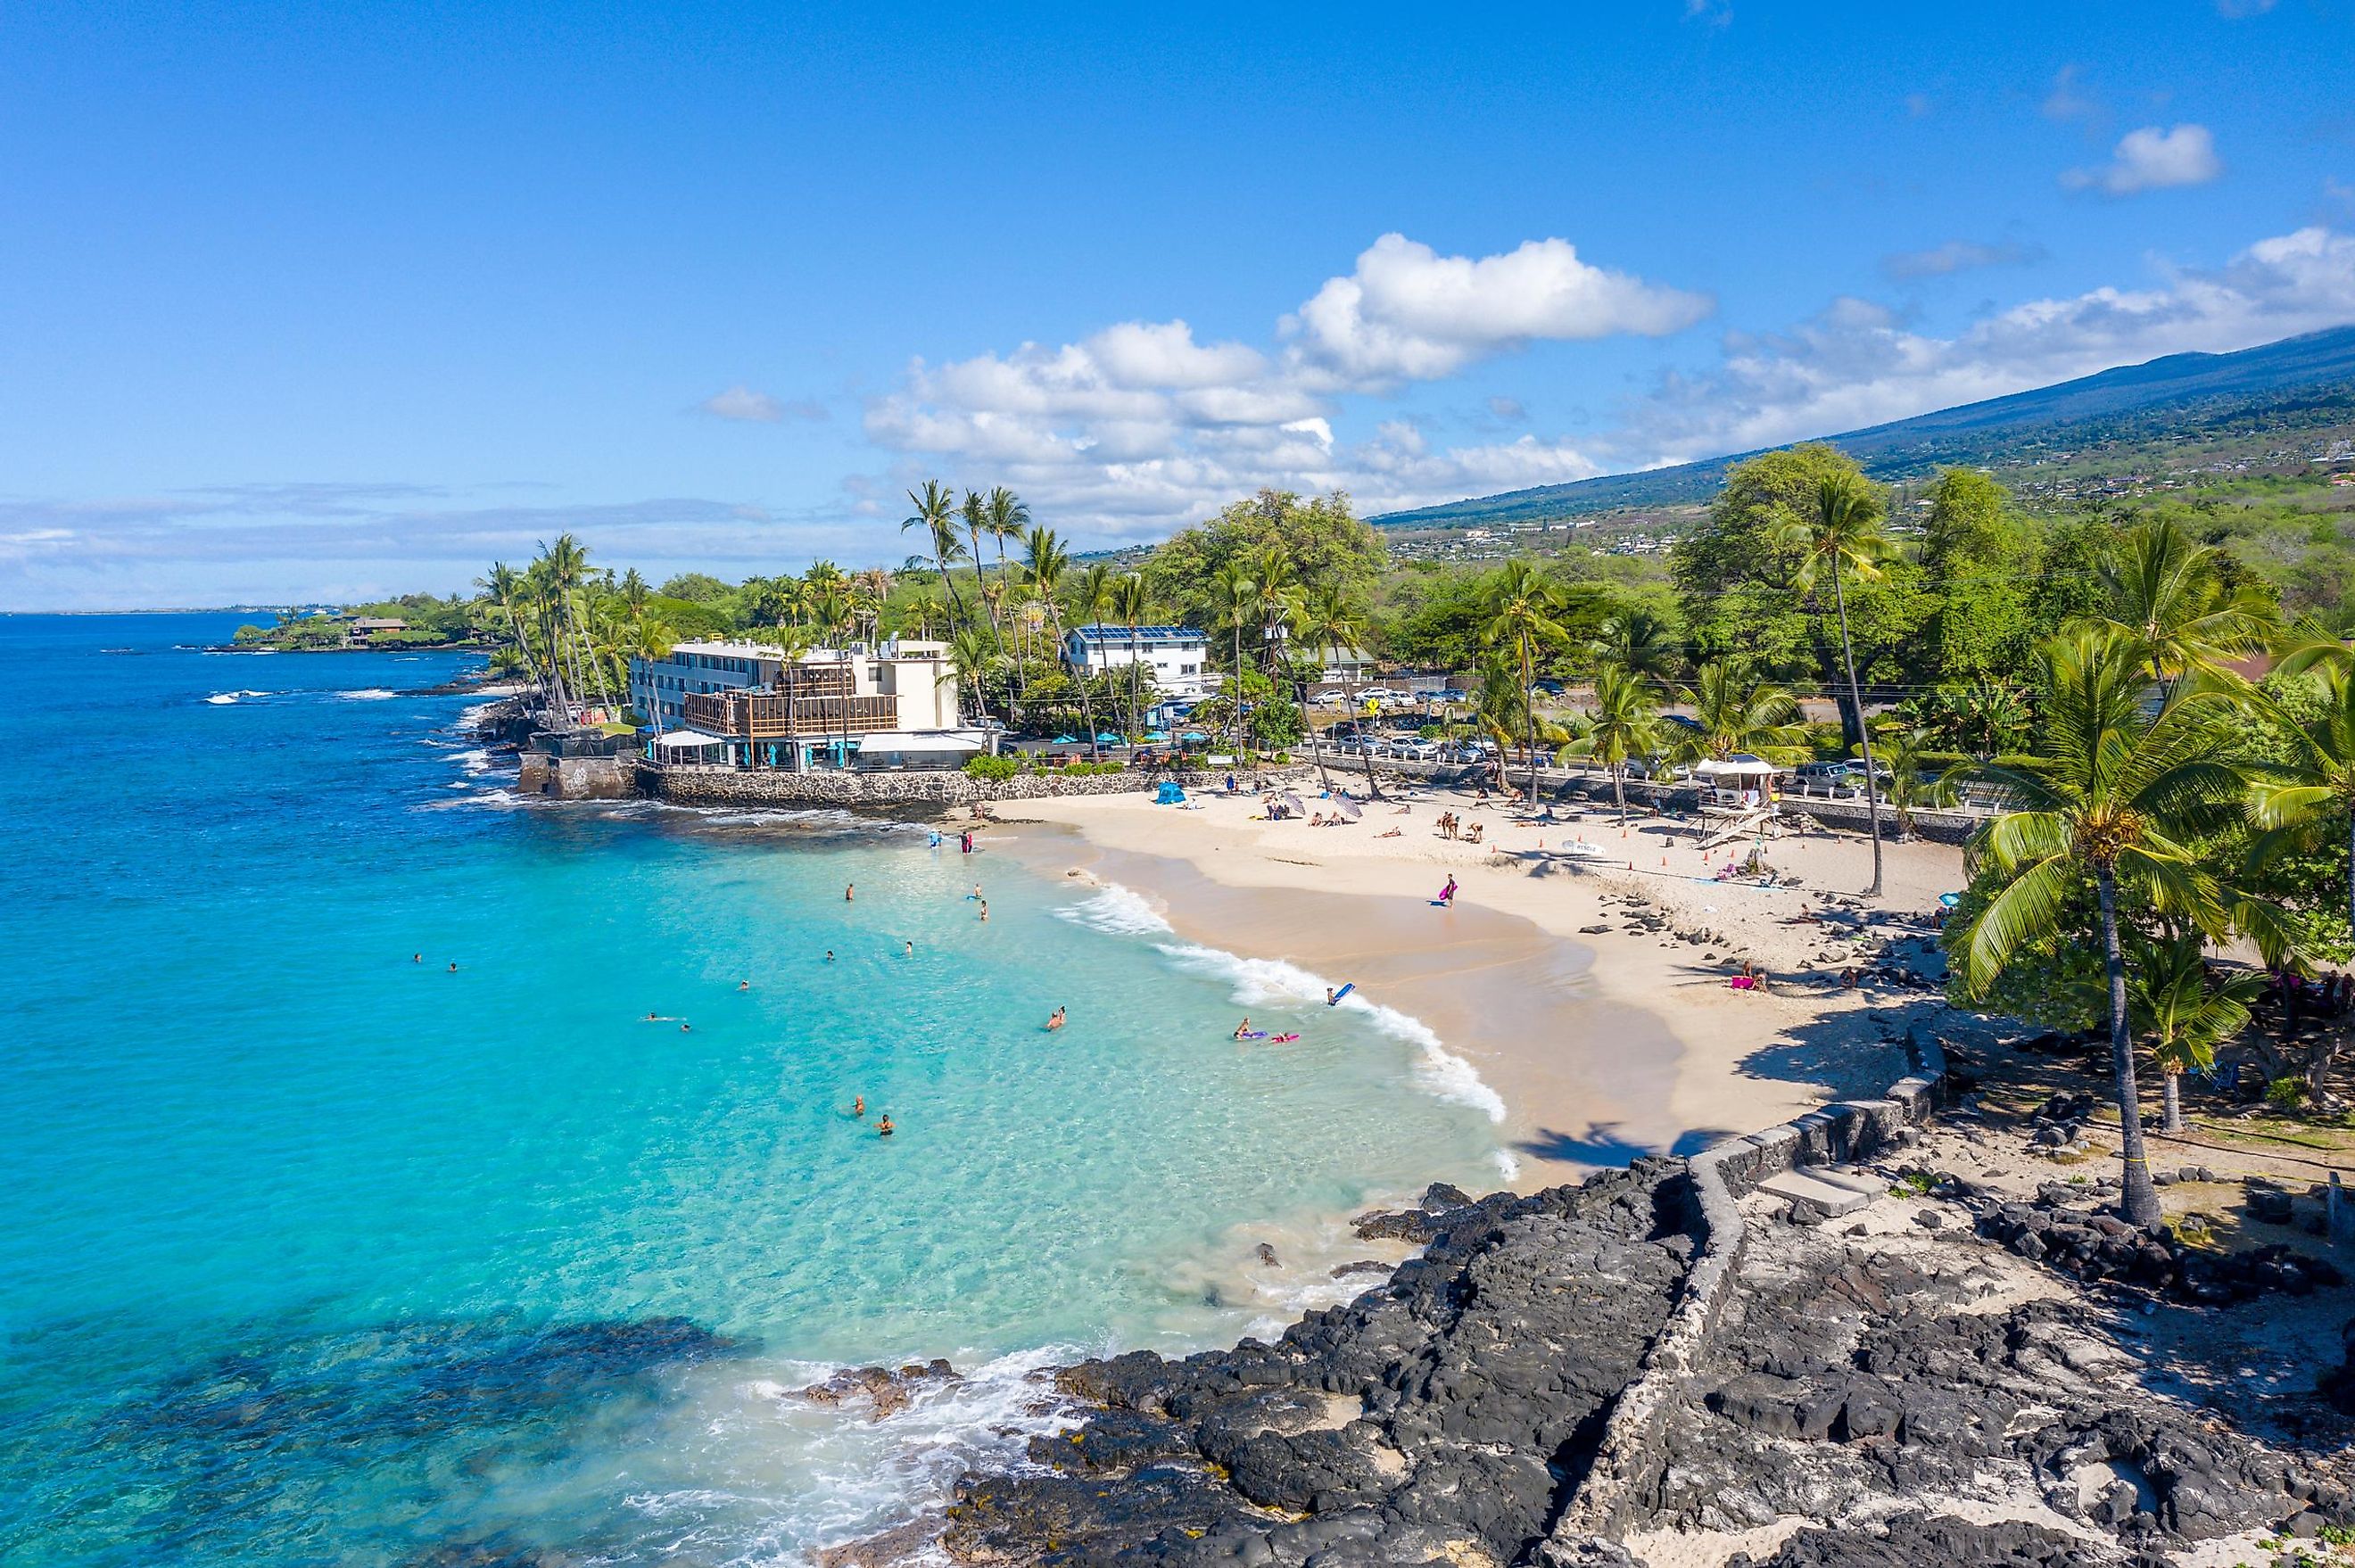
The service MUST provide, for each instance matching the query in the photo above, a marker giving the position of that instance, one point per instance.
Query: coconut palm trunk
(1863, 730)
(2140, 1206)
(1530, 710)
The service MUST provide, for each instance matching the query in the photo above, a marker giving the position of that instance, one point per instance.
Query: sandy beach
(1605, 1039)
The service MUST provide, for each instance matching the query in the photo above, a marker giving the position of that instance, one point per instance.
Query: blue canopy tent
(1169, 793)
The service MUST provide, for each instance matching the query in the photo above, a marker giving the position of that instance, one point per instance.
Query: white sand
(1600, 1042)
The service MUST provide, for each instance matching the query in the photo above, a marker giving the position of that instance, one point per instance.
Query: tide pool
(313, 1250)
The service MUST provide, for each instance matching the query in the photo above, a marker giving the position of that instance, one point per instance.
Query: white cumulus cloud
(742, 402)
(1408, 313)
(2153, 159)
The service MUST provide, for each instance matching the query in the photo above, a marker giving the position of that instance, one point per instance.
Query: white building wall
(1179, 669)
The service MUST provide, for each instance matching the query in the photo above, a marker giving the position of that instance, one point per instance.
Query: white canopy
(903, 741)
(1741, 766)
(685, 740)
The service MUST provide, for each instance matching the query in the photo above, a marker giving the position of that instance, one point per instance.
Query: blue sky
(299, 304)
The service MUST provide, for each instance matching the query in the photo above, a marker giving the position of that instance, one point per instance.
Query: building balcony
(775, 716)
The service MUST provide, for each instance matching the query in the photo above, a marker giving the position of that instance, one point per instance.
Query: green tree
(1325, 616)
(1622, 722)
(2117, 797)
(1321, 537)
(1523, 605)
(2166, 592)
(1841, 534)
(1737, 712)
(2184, 1016)
(935, 518)
(1231, 604)
(1971, 559)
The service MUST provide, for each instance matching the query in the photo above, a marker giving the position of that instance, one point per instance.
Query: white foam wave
(475, 761)
(1116, 910)
(1272, 983)
(367, 694)
(855, 1476)
(229, 698)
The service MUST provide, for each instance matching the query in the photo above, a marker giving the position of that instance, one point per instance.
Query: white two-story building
(1178, 657)
(754, 706)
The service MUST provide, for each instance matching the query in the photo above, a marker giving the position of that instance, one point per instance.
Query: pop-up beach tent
(1169, 793)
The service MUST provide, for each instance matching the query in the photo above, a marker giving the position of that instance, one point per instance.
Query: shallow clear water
(312, 1253)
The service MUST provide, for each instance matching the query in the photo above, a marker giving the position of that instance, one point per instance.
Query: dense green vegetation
(429, 623)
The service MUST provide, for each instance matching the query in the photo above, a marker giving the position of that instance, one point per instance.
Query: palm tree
(1736, 711)
(1044, 562)
(1913, 784)
(1844, 533)
(1522, 604)
(2114, 796)
(1277, 582)
(1324, 617)
(1623, 722)
(2184, 1018)
(1639, 643)
(972, 658)
(1132, 602)
(1233, 602)
(2307, 802)
(1004, 517)
(505, 590)
(976, 512)
(935, 514)
(2167, 596)
(1091, 602)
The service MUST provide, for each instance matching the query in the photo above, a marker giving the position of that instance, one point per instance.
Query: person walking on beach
(1448, 894)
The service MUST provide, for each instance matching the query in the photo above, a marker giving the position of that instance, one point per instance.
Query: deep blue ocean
(311, 1252)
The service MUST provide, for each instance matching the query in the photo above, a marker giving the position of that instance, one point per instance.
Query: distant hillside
(2299, 383)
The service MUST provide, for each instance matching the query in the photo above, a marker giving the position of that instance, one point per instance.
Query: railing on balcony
(773, 716)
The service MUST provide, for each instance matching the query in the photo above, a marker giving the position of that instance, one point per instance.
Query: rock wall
(928, 792)
(575, 778)
(1629, 1458)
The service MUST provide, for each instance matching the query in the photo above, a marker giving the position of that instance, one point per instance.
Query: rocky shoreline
(1679, 1365)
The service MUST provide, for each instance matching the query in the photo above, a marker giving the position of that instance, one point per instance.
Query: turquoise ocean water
(311, 1254)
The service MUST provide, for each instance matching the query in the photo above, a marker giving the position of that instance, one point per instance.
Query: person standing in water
(883, 1128)
(849, 892)
(911, 948)
(1056, 1021)
(859, 1106)
(984, 911)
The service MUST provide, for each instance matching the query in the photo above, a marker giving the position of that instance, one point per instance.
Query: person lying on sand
(1394, 832)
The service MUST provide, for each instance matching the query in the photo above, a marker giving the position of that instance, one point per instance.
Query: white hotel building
(1178, 657)
(750, 705)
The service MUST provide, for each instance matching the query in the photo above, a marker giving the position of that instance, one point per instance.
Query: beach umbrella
(1348, 808)
(1291, 802)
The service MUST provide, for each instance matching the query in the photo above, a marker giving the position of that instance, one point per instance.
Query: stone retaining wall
(927, 794)
(1628, 1460)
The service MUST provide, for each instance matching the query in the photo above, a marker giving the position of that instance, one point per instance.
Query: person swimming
(684, 1028)
(829, 955)
(883, 1128)
(975, 893)
(859, 1106)
(1056, 1019)
(417, 958)
(1242, 1029)
(454, 966)
(744, 984)
(911, 948)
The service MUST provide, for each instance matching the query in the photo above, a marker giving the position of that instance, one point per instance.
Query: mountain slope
(2180, 394)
